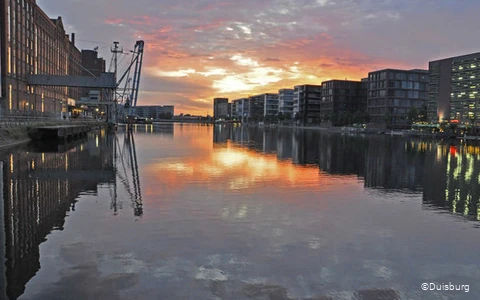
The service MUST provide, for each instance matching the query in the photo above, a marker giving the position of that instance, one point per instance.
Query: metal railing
(18, 119)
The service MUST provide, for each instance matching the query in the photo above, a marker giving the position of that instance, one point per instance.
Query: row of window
(398, 75)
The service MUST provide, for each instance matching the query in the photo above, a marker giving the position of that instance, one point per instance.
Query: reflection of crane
(131, 182)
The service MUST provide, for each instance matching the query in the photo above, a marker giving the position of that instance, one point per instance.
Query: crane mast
(131, 102)
(138, 52)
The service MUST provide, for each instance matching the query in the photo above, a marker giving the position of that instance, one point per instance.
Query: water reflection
(128, 171)
(263, 212)
(39, 189)
(446, 172)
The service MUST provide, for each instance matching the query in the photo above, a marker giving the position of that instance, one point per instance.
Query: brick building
(32, 43)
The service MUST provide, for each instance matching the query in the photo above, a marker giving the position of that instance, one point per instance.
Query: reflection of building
(220, 108)
(447, 175)
(459, 189)
(343, 155)
(221, 133)
(305, 147)
(455, 88)
(394, 164)
(39, 190)
(284, 144)
(392, 94)
(269, 140)
(32, 43)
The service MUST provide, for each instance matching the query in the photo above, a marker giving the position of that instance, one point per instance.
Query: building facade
(394, 94)
(241, 108)
(270, 105)
(342, 99)
(92, 65)
(455, 89)
(155, 112)
(257, 108)
(32, 43)
(308, 98)
(285, 102)
(220, 108)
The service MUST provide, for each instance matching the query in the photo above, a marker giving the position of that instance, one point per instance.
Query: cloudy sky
(200, 49)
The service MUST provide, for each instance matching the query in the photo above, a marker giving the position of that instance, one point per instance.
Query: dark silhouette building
(392, 94)
(92, 65)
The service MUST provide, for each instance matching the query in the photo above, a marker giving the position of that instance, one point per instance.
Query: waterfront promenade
(15, 130)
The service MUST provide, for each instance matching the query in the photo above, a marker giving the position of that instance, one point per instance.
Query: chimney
(73, 39)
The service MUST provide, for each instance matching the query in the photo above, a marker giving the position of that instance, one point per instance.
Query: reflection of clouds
(178, 167)
(314, 243)
(239, 169)
(379, 269)
(88, 274)
(242, 212)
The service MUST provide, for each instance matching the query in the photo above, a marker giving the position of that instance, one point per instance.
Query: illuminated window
(10, 104)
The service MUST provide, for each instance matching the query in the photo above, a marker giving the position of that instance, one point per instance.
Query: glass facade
(340, 97)
(392, 94)
(465, 97)
(285, 101)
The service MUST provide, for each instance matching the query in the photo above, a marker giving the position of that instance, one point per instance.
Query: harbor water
(190, 211)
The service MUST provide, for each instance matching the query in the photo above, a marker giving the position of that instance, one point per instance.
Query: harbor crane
(132, 83)
(106, 81)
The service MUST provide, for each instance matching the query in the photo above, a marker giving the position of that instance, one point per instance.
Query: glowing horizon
(195, 52)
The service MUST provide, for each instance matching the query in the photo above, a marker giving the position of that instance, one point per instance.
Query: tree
(412, 115)
(366, 117)
(358, 117)
(423, 113)
(388, 118)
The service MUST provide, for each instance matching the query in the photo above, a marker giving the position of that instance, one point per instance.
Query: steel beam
(106, 81)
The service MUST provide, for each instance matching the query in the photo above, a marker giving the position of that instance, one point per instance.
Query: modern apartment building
(285, 102)
(257, 107)
(393, 93)
(32, 43)
(455, 89)
(296, 100)
(307, 98)
(155, 112)
(220, 108)
(340, 97)
(241, 108)
(270, 105)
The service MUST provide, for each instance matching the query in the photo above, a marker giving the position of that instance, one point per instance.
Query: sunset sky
(201, 49)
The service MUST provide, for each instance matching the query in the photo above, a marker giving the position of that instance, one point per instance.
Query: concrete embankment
(17, 135)
(13, 136)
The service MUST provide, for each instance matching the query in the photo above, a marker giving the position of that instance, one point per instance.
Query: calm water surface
(214, 212)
